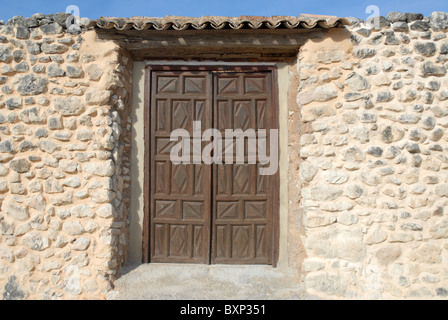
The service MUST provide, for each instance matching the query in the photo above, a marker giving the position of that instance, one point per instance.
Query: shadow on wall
(137, 166)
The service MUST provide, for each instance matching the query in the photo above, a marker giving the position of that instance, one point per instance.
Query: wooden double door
(210, 213)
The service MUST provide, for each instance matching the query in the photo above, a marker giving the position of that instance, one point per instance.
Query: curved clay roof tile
(252, 22)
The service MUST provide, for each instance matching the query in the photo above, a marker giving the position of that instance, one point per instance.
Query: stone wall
(367, 154)
(373, 157)
(64, 159)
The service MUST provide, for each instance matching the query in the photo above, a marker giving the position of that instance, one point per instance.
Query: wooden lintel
(261, 43)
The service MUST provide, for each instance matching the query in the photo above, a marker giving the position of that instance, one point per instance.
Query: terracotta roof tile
(214, 22)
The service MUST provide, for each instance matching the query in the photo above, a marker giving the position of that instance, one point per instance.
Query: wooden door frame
(275, 192)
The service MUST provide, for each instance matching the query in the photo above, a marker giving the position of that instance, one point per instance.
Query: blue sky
(159, 8)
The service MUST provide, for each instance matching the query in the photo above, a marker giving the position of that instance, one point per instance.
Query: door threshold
(168, 281)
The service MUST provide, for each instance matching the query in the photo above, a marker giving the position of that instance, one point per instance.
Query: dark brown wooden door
(180, 194)
(210, 213)
(242, 212)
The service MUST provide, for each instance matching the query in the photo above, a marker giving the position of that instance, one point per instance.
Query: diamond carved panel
(181, 115)
(179, 179)
(241, 178)
(178, 241)
(240, 241)
(242, 115)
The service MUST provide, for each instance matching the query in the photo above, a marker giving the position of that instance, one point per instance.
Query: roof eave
(217, 23)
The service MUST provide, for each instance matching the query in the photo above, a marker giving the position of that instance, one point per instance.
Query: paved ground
(205, 282)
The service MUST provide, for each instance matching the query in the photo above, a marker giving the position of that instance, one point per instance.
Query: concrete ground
(158, 281)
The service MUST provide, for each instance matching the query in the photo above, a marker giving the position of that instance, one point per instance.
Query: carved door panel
(242, 206)
(220, 213)
(180, 194)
